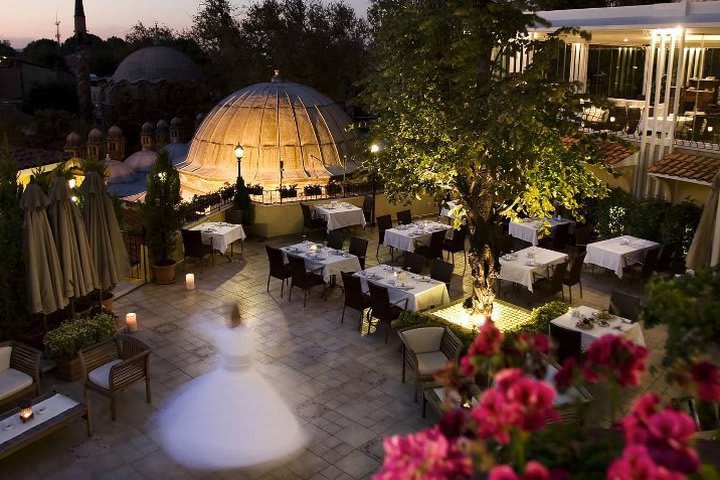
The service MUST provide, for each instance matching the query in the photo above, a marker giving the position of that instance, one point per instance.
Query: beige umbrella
(44, 275)
(79, 273)
(106, 242)
(700, 252)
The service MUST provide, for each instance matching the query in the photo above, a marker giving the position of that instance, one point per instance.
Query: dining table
(525, 266)
(420, 291)
(527, 229)
(408, 237)
(221, 234)
(617, 253)
(615, 326)
(318, 257)
(340, 215)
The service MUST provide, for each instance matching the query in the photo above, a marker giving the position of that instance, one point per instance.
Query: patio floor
(345, 387)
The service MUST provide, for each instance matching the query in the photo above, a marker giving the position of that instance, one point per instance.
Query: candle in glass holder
(190, 281)
(313, 248)
(131, 322)
(26, 412)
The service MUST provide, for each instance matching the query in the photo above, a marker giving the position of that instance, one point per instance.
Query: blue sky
(26, 20)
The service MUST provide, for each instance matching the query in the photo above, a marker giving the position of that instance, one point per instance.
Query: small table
(421, 292)
(407, 237)
(617, 253)
(331, 261)
(523, 270)
(59, 411)
(437, 396)
(222, 234)
(340, 215)
(527, 229)
(618, 326)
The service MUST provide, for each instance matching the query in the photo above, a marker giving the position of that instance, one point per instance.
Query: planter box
(69, 370)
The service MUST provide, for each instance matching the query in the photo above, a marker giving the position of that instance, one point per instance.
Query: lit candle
(190, 281)
(26, 413)
(131, 322)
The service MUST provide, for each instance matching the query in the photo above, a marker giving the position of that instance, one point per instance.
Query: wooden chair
(435, 249)
(624, 305)
(413, 262)
(355, 298)
(358, 247)
(384, 222)
(195, 248)
(574, 275)
(442, 271)
(22, 377)
(335, 239)
(568, 342)
(303, 279)
(382, 309)
(278, 268)
(554, 284)
(310, 223)
(112, 366)
(404, 217)
(426, 350)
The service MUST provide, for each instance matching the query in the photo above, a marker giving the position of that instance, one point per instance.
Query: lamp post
(282, 167)
(239, 152)
(374, 149)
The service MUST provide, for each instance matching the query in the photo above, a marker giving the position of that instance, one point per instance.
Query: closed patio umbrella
(700, 253)
(44, 275)
(106, 242)
(76, 260)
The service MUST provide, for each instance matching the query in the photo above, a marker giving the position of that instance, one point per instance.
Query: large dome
(157, 64)
(272, 121)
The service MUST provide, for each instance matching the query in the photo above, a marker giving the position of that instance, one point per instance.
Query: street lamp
(239, 152)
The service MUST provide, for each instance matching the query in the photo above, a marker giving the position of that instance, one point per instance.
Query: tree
(6, 49)
(44, 52)
(160, 210)
(142, 36)
(455, 124)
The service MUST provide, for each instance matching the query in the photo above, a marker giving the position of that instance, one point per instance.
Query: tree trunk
(481, 257)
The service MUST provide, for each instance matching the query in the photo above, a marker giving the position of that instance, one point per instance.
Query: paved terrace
(345, 387)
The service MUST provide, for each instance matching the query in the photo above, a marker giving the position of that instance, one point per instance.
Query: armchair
(19, 371)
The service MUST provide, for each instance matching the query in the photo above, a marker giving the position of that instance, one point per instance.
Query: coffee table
(58, 411)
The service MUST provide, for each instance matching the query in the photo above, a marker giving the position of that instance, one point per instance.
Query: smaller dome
(95, 135)
(176, 122)
(73, 140)
(147, 128)
(162, 126)
(114, 132)
(199, 117)
(118, 172)
(141, 161)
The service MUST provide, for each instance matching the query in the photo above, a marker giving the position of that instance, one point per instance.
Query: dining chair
(384, 222)
(358, 247)
(442, 271)
(583, 236)
(650, 263)
(574, 275)
(456, 243)
(303, 279)
(368, 213)
(355, 298)
(560, 237)
(310, 222)
(413, 262)
(568, 343)
(335, 239)
(404, 217)
(195, 248)
(382, 309)
(624, 305)
(554, 284)
(278, 268)
(435, 249)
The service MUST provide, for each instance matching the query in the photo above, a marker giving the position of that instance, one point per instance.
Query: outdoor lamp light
(74, 199)
(612, 119)
(709, 129)
(374, 148)
(239, 151)
(71, 183)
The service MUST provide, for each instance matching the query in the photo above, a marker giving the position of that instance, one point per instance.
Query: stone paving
(344, 386)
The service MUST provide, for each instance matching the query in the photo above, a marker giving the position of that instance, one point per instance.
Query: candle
(131, 322)
(190, 281)
(26, 412)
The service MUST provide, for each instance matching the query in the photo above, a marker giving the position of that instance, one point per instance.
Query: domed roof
(176, 122)
(157, 64)
(73, 140)
(272, 121)
(162, 126)
(147, 128)
(118, 172)
(141, 161)
(95, 135)
(114, 132)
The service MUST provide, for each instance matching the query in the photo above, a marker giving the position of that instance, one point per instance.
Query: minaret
(80, 26)
(83, 67)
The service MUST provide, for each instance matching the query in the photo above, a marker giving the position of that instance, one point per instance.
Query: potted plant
(312, 190)
(161, 218)
(333, 188)
(255, 189)
(288, 191)
(63, 343)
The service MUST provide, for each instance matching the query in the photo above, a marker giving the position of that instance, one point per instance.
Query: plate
(603, 315)
(585, 324)
(531, 263)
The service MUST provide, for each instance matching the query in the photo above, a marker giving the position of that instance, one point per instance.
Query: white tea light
(190, 281)
(131, 322)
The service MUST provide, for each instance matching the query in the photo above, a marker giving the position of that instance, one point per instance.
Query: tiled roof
(700, 168)
(35, 157)
(613, 152)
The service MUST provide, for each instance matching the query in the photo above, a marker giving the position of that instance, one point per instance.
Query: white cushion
(423, 340)
(431, 362)
(101, 375)
(5, 354)
(12, 381)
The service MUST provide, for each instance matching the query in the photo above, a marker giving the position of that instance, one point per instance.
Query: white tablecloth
(420, 294)
(221, 233)
(11, 427)
(408, 237)
(615, 256)
(527, 229)
(632, 331)
(519, 271)
(340, 215)
(331, 261)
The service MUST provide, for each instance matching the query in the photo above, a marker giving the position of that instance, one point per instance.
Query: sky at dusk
(24, 20)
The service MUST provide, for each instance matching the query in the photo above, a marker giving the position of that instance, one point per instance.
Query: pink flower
(706, 377)
(533, 471)
(565, 376)
(612, 357)
(503, 472)
(636, 464)
(487, 342)
(467, 366)
(426, 454)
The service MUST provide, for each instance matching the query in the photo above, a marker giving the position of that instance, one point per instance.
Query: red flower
(612, 357)
(533, 471)
(706, 377)
(567, 373)
(487, 342)
(636, 464)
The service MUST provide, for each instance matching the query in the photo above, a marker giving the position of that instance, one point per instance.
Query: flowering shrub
(491, 439)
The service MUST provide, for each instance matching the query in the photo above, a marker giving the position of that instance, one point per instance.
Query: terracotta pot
(164, 274)
(69, 370)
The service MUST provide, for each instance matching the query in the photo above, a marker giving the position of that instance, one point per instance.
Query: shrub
(288, 191)
(541, 316)
(311, 190)
(64, 342)
(160, 210)
(679, 225)
(255, 189)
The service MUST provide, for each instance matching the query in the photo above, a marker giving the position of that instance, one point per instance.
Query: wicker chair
(426, 350)
(112, 366)
(22, 377)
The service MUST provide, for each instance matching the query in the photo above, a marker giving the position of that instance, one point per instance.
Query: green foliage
(311, 190)
(64, 342)
(50, 128)
(44, 52)
(679, 225)
(541, 316)
(160, 210)
(645, 219)
(689, 306)
(13, 313)
(255, 189)
(288, 191)
(92, 165)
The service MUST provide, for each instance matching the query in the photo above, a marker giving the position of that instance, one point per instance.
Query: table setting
(527, 228)
(340, 215)
(420, 290)
(594, 323)
(524, 266)
(408, 237)
(223, 234)
(319, 256)
(617, 253)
